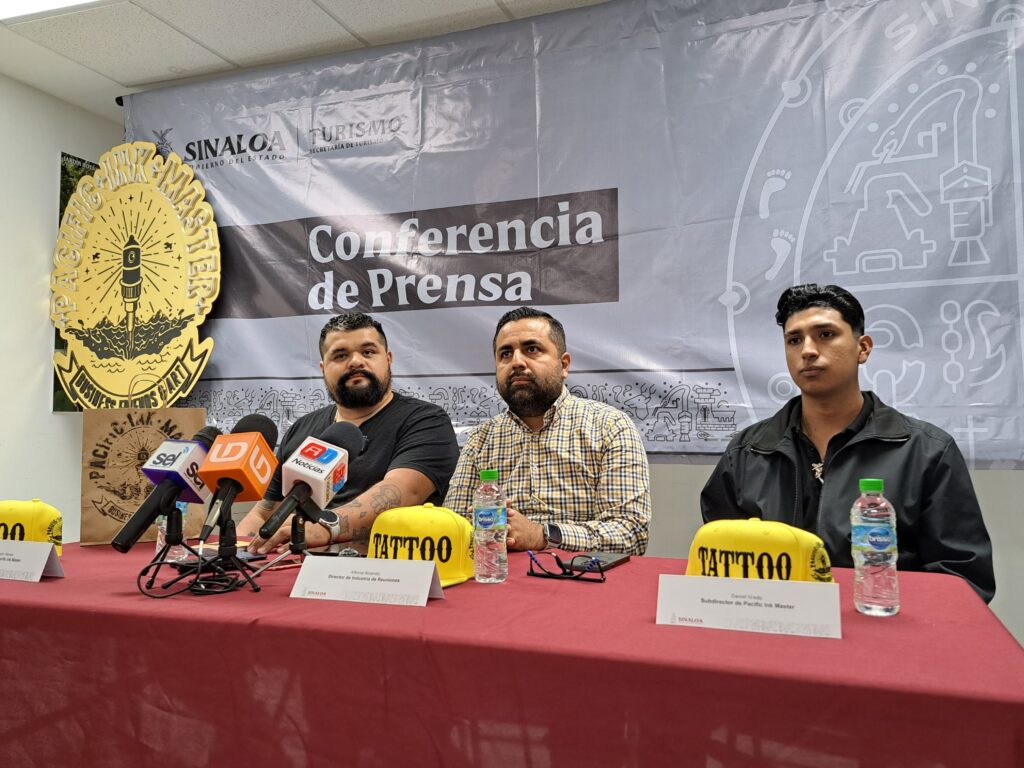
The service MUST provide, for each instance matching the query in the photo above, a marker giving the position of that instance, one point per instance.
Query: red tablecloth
(533, 672)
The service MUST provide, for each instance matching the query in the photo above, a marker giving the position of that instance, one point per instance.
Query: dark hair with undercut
(351, 321)
(555, 329)
(801, 297)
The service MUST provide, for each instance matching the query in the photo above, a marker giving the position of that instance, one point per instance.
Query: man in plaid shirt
(574, 470)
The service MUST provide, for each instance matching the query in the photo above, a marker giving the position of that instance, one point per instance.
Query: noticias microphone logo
(319, 453)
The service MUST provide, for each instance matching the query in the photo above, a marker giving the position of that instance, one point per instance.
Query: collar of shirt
(855, 426)
(813, 468)
(549, 414)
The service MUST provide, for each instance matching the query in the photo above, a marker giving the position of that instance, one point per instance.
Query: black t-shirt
(406, 433)
(813, 468)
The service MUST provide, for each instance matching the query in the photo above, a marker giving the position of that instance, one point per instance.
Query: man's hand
(523, 533)
(316, 536)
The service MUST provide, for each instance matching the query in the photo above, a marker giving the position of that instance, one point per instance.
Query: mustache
(520, 375)
(352, 374)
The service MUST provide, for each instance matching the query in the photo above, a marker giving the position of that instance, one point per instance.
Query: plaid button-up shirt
(585, 470)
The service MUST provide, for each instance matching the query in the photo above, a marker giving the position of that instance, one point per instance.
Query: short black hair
(350, 321)
(555, 329)
(801, 297)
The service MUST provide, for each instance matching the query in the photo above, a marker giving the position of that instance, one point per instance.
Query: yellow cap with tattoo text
(31, 521)
(758, 549)
(425, 532)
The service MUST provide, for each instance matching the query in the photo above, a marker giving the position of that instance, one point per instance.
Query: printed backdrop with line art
(652, 173)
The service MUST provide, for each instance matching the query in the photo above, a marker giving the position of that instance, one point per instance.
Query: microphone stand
(306, 510)
(175, 536)
(226, 560)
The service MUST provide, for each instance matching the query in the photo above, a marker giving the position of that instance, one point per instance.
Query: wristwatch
(329, 519)
(552, 536)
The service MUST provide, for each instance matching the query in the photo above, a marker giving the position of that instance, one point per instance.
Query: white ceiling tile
(522, 9)
(123, 42)
(44, 70)
(250, 32)
(115, 46)
(393, 21)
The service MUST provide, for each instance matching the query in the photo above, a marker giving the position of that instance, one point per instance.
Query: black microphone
(239, 466)
(316, 471)
(174, 469)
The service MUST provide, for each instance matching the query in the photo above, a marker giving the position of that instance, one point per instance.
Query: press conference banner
(654, 174)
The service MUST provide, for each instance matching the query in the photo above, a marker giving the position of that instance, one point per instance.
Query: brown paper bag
(115, 445)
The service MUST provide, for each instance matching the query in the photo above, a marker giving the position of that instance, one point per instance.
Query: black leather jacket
(939, 526)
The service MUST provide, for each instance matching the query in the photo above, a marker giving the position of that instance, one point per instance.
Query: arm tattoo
(385, 496)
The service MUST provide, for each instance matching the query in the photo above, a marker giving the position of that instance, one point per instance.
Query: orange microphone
(239, 466)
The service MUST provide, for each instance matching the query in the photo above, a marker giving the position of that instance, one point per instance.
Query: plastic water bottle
(490, 526)
(876, 591)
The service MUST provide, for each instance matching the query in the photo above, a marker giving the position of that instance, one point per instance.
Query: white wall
(40, 451)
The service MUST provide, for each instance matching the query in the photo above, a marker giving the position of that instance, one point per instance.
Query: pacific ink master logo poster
(71, 170)
(136, 271)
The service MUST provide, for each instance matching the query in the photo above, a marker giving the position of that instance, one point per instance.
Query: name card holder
(803, 608)
(368, 580)
(29, 560)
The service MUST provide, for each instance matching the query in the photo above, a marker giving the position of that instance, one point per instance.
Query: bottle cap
(488, 475)
(871, 485)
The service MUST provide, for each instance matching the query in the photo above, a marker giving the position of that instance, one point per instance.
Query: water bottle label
(873, 538)
(489, 517)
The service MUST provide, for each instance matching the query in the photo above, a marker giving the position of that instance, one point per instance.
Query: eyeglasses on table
(548, 565)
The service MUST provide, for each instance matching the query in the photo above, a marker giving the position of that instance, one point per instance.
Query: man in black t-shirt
(410, 452)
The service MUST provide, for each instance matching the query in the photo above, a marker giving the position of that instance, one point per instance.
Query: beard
(361, 397)
(533, 399)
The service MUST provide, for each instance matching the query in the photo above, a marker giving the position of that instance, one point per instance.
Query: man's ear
(866, 344)
(566, 359)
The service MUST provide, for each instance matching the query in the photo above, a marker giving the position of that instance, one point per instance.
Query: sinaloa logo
(136, 271)
(237, 144)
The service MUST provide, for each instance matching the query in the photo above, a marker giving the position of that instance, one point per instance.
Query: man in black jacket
(802, 465)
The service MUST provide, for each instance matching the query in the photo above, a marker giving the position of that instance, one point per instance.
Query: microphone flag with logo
(174, 469)
(239, 466)
(316, 471)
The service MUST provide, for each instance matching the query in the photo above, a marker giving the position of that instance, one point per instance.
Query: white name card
(750, 605)
(29, 560)
(368, 580)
